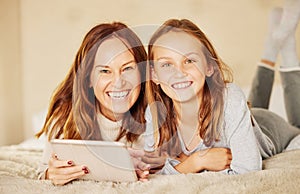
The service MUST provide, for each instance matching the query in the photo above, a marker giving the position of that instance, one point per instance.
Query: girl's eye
(188, 61)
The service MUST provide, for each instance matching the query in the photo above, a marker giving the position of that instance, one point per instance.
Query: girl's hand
(61, 172)
(182, 157)
(212, 159)
(155, 159)
(141, 168)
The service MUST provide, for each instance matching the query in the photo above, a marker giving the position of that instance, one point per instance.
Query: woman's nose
(119, 81)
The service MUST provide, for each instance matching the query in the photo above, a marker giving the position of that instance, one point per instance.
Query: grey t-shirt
(247, 143)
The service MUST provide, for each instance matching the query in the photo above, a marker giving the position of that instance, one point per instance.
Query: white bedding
(281, 174)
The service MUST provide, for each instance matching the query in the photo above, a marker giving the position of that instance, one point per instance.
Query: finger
(135, 152)
(67, 173)
(54, 156)
(155, 169)
(153, 154)
(142, 174)
(63, 180)
(151, 161)
(138, 164)
(143, 166)
(60, 163)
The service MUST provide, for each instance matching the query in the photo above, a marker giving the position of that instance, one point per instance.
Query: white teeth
(118, 95)
(182, 85)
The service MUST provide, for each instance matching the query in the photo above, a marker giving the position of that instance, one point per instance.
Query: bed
(280, 174)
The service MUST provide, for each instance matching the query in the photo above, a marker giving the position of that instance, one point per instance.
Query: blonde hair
(212, 107)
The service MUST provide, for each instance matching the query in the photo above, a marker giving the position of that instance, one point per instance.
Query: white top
(247, 143)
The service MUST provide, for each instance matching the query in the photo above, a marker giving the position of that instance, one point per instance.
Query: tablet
(106, 161)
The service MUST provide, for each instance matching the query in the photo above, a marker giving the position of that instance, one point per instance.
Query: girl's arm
(212, 159)
(239, 133)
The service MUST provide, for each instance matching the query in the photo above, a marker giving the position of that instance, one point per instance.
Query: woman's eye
(165, 64)
(104, 71)
(128, 68)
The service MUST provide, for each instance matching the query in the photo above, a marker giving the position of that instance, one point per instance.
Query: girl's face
(115, 78)
(180, 66)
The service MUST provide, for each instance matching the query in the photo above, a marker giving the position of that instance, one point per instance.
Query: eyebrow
(185, 55)
(106, 66)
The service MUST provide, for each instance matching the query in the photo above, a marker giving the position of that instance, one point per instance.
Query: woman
(208, 125)
(101, 98)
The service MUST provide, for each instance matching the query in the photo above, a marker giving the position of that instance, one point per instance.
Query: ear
(154, 76)
(209, 71)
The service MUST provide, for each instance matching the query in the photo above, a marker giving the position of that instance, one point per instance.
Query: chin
(183, 98)
(120, 109)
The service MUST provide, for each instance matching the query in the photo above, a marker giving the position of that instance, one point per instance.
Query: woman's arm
(58, 171)
(61, 172)
(141, 168)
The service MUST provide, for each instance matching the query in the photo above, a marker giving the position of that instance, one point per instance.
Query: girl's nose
(180, 71)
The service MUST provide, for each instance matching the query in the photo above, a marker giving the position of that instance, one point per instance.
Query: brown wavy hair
(73, 108)
(212, 106)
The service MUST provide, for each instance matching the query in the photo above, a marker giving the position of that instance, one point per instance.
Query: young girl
(203, 121)
(101, 98)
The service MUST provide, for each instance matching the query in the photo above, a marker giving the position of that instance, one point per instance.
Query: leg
(291, 87)
(288, 50)
(289, 20)
(290, 74)
(261, 88)
(276, 128)
(263, 81)
(272, 44)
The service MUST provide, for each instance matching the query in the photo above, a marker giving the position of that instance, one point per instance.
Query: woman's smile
(118, 95)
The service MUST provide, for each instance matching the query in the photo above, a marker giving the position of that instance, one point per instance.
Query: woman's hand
(141, 168)
(212, 159)
(61, 172)
(155, 159)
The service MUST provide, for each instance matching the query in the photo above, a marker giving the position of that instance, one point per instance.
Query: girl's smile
(182, 85)
(180, 69)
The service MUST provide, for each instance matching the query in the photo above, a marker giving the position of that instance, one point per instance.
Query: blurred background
(39, 40)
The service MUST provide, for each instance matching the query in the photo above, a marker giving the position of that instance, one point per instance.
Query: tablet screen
(106, 161)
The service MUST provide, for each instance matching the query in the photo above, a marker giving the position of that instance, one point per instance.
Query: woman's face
(180, 66)
(115, 78)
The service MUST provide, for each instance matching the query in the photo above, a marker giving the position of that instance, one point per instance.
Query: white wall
(51, 33)
(11, 122)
